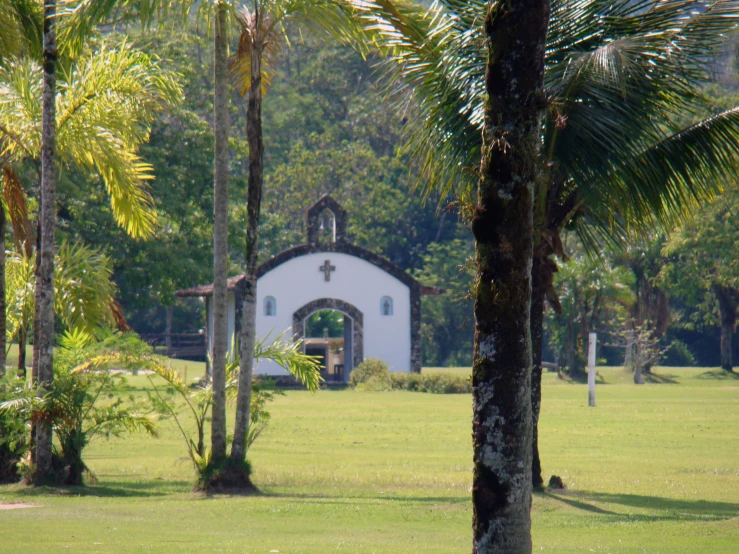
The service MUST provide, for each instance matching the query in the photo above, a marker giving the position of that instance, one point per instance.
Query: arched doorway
(353, 336)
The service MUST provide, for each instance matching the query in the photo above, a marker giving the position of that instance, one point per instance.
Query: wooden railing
(178, 345)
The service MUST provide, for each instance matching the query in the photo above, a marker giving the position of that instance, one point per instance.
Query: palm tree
(94, 131)
(262, 33)
(502, 224)
(618, 74)
(220, 232)
(42, 370)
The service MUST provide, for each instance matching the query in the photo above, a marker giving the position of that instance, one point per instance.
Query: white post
(592, 339)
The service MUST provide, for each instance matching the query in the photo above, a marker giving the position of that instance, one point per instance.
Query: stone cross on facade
(327, 268)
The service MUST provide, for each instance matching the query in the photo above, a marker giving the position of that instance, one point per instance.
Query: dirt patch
(17, 506)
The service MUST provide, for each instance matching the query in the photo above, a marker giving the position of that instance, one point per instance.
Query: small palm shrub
(86, 401)
(371, 374)
(13, 432)
(179, 396)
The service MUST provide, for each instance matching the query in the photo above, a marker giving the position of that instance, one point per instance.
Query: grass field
(653, 468)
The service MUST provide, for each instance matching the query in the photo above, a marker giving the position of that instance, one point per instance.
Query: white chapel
(379, 304)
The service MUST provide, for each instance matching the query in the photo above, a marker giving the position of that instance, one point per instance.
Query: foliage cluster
(87, 401)
(373, 375)
(13, 432)
(436, 383)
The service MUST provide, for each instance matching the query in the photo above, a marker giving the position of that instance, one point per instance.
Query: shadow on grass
(664, 509)
(113, 489)
(344, 499)
(718, 375)
(656, 378)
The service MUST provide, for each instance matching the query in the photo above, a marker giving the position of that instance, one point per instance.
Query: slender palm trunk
(254, 200)
(727, 304)
(503, 229)
(22, 349)
(3, 344)
(220, 238)
(43, 346)
(538, 293)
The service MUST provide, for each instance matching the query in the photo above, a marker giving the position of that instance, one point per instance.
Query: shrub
(371, 374)
(13, 433)
(678, 354)
(436, 383)
(86, 401)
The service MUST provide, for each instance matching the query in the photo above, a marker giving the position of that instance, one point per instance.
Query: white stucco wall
(356, 281)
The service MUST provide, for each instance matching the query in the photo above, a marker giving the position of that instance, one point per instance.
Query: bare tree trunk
(629, 354)
(503, 229)
(22, 351)
(254, 200)
(3, 343)
(538, 293)
(727, 303)
(220, 237)
(168, 310)
(43, 345)
(638, 362)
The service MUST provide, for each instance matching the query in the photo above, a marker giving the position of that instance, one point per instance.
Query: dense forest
(331, 127)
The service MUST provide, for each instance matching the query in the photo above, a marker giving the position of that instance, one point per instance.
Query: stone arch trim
(333, 304)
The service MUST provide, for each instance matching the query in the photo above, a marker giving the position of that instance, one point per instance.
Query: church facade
(380, 304)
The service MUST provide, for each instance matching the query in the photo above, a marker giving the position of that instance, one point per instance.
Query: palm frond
(289, 355)
(107, 105)
(83, 289)
(14, 201)
(263, 33)
(617, 74)
(79, 18)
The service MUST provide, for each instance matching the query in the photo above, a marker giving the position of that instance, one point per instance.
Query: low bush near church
(371, 374)
(437, 383)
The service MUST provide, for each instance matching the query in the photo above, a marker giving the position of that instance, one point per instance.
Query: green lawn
(653, 468)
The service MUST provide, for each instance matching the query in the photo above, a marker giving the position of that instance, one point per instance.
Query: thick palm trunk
(727, 303)
(503, 229)
(220, 238)
(538, 294)
(43, 346)
(254, 200)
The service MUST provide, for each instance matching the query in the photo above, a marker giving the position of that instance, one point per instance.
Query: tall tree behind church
(262, 33)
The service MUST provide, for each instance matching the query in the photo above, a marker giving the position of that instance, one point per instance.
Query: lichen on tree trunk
(43, 346)
(503, 229)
